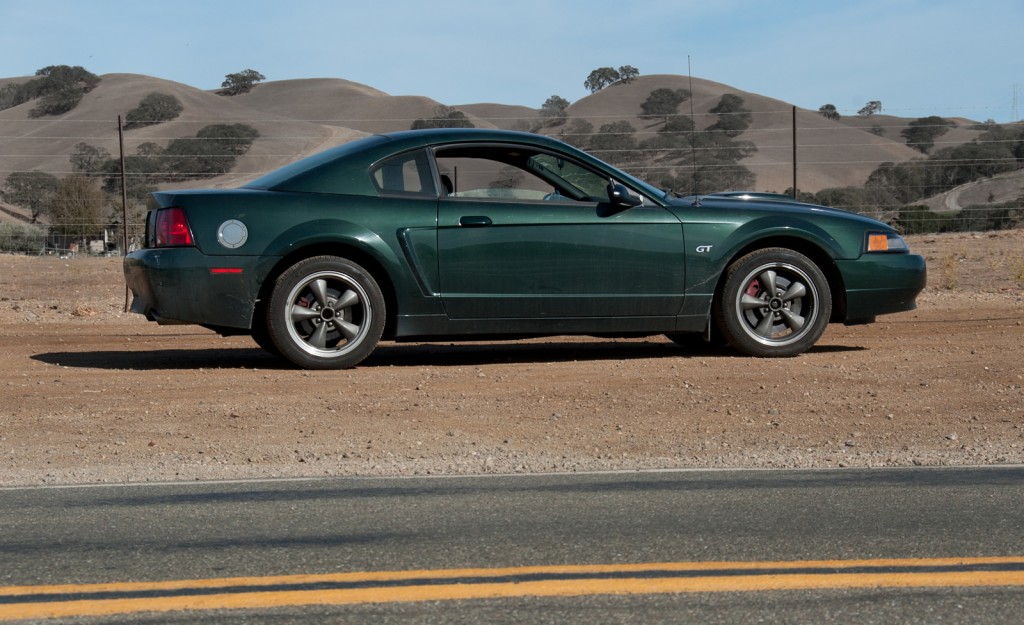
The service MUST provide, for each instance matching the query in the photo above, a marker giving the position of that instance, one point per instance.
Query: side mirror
(620, 196)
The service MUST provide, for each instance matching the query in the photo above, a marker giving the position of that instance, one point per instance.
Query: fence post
(124, 206)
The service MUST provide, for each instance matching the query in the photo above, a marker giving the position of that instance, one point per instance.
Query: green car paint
(503, 258)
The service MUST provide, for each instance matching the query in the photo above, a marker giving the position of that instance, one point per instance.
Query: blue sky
(918, 57)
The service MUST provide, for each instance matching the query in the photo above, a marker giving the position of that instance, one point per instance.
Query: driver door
(515, 245)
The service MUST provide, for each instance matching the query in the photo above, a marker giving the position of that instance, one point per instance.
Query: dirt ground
(91, 394)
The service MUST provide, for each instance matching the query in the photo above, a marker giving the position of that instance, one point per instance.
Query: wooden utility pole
(124, 206)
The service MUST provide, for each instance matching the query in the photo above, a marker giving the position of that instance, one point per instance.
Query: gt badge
(704, 249)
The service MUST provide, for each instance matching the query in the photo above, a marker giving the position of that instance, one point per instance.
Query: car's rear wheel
(325, 312)
(261, 334)
(775, 302)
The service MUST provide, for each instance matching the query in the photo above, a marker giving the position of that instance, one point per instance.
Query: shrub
(21, 238)
(57, 103)
(153, 109)
(444, 117)
(59, 89)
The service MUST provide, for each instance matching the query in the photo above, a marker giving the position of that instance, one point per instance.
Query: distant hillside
(46, 143)
(504, 116)
(830, 154)
(299, 117)
(14, 214)
(16, 81)
(995, 190)
(336, 102)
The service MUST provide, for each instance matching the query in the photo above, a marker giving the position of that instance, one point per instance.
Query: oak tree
(240, 82)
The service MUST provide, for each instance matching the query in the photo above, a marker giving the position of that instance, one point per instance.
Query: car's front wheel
(325, 312)
(775, 302)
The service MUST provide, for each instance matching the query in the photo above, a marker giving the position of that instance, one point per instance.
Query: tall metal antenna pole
(796, 194)
(693, 128)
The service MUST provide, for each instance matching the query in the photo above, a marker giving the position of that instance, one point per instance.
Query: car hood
(759, 204)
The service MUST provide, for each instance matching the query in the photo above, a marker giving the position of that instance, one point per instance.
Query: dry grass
(973, 261)
(950, 271)
(298, 117)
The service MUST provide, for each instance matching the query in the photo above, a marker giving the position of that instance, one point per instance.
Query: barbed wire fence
(925, 192)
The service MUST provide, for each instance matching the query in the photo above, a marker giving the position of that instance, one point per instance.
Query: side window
(482, 177)
(405, 174)
(514, 173)
(589, 184)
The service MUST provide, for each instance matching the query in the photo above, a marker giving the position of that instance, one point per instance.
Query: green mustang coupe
(468, 233)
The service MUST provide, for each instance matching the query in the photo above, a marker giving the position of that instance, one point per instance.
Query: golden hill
(299, 117)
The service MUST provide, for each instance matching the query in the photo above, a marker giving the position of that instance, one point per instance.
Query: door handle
(474, 221)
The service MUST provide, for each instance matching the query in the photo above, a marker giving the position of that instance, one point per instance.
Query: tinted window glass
(405, 174)
(517, 173)
(589, 183)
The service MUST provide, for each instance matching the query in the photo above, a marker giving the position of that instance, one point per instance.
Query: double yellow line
(37, 602)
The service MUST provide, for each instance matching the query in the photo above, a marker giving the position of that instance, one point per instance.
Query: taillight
(172, 229)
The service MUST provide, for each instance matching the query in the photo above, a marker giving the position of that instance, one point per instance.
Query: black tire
(261, 334)
(695, 342)
(325, 312)
(775, 303)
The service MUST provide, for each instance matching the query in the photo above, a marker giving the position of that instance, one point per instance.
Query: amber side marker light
(878, 243)
(885, 242)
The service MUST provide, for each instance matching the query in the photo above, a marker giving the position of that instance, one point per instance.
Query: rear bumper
(182, 285)
(880, 284)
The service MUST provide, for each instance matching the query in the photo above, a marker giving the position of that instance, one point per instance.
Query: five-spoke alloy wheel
(325, 312)
(775, 302)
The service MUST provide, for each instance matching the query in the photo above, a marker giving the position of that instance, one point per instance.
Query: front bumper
(182, 285)
(879, 284)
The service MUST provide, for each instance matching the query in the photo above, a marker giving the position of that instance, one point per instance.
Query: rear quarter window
(406, 174)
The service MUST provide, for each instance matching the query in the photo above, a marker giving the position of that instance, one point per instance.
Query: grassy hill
(338, 103)
(299, 117)
(45, 143)
(830, 154)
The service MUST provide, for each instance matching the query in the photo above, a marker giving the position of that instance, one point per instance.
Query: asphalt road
(902, 545)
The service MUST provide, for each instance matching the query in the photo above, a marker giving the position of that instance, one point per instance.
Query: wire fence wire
(962, 177)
